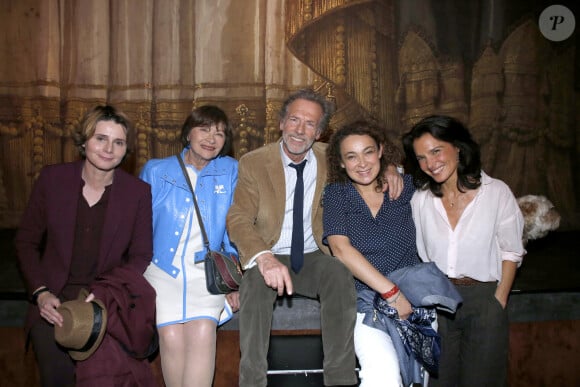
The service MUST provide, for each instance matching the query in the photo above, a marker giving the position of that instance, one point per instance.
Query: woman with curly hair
(371, 235)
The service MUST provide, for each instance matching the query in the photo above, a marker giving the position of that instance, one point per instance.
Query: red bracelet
(390, 293)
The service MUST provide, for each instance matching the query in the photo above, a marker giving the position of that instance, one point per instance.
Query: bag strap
(200, 221)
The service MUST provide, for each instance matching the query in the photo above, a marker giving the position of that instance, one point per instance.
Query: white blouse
(488, 232)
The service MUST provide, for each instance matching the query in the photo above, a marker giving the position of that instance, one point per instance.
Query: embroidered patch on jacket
(219, 189)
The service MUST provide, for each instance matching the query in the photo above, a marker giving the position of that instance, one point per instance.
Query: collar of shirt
(309, 177)
(286, 160)
(282, 246)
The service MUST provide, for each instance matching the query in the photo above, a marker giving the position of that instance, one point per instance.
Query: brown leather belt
(465, 281)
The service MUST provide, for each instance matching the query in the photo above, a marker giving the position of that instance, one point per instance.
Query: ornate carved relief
(487, 84)
(350, 44)
(246, 132)
(339, 54)
(523, 79)
(143, 137)
(419, 88)
(303, 12)
(165, 140)
(452, 99)
(272, 129)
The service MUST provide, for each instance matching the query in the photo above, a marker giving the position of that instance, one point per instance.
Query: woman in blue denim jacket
(187, 314)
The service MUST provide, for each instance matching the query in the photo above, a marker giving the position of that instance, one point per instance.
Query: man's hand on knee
(276, 275)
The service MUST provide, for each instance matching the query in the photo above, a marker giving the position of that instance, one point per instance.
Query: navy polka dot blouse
(387, 240)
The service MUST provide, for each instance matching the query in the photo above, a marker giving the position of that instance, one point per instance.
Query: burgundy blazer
(51, 216)
(130, 303)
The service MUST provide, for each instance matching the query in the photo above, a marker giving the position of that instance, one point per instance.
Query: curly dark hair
(392, 155)
(447, 129)
(208, 115)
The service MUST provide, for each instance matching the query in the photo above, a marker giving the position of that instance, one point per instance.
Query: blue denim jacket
(425, 286)
(172, 201)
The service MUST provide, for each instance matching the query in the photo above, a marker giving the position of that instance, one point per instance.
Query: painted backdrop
(485, 62)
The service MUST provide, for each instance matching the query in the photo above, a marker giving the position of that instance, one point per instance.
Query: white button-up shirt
(488, 232)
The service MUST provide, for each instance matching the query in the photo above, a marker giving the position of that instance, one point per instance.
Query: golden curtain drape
(390, 61)
(155, 59)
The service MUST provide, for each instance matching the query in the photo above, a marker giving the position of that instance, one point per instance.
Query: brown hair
(99, 113)
(392, 155)
(452, 131)
(207, 115)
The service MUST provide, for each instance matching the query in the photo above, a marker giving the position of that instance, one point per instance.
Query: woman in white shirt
(470, 225)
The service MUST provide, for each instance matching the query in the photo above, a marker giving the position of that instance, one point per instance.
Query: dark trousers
(55, 366)
(322, 277)
(474, 341)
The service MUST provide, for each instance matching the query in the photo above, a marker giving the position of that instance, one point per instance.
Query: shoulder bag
(223, 274)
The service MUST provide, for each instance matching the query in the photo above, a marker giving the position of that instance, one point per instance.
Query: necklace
(453, 201)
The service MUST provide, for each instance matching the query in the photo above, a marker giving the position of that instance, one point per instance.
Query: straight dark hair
(447, 129)
(208, 115)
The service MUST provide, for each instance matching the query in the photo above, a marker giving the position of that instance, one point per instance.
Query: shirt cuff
(507, 256)
(252, 262)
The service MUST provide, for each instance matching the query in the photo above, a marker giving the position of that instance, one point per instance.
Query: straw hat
(83, 327)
